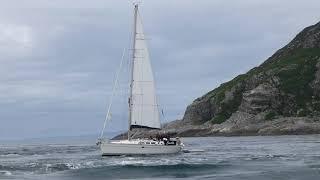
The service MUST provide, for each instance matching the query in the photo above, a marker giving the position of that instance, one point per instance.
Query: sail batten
(143, 102)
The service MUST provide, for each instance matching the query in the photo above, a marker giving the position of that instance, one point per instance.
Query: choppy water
(277, 157)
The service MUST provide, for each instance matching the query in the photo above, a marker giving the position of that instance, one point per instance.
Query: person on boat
(165, 140)
(178, 140)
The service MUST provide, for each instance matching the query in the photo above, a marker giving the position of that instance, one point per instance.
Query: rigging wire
(113, 93)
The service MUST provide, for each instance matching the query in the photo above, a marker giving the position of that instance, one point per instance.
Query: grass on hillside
(296, 71)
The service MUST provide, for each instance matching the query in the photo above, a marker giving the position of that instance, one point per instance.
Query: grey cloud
(59, 57)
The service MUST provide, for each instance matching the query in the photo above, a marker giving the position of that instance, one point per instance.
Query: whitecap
(125, 162)
(10, 155)
(72, 166)
(6, 173)
(89, 164)
(48, 166)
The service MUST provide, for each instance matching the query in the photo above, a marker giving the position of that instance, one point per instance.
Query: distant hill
(281, 96)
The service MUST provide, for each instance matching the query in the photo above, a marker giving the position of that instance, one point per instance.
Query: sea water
(271, 157)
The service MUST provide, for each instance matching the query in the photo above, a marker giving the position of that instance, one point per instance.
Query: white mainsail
(143, 103)
(143, 108)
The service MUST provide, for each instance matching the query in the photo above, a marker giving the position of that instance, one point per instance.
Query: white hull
(136, 148)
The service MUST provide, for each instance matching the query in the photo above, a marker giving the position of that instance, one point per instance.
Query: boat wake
(237, 159)
(49, 160)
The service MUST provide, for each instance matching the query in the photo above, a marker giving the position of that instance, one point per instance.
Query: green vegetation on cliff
(286, 85)
(296, 71)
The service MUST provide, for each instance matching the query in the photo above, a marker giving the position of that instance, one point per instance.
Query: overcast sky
(58, 58)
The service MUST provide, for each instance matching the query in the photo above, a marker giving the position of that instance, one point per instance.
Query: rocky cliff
(281, 96)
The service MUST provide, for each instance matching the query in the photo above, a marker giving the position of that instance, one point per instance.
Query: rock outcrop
(281, 96)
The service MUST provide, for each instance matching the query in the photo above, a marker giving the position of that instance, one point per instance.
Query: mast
(132, 65)
(143, 108)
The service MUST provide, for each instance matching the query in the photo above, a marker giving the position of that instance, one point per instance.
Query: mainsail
(142, 103)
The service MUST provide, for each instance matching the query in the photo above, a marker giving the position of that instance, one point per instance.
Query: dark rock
(316, 82)
(281, 96)
(267, 99)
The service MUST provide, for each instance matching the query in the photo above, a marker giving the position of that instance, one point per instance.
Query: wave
(269, 157)
(61, 167)
(9, 155)
(183, 167)
(40, 168)
(45, 150)
(154, 171)
(6, 173)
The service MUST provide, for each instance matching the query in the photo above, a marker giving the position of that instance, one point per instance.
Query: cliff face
(285, 86)
(281, 96)
(288, 80)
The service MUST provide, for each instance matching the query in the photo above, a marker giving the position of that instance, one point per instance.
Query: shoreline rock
(280, 126)
(279, 97)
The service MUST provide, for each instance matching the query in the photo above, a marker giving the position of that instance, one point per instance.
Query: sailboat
(143, 107)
